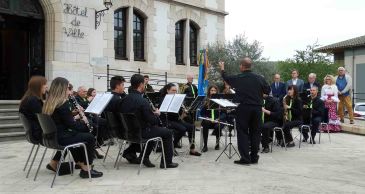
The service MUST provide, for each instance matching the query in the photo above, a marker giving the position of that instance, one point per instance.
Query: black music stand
(155, 98)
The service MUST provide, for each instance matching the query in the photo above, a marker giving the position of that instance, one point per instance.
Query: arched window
(120, 33)
(138, 36)
(193, 44)
(179, 42)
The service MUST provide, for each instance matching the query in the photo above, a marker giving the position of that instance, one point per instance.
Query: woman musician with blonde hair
(69, 131)
(292, 114)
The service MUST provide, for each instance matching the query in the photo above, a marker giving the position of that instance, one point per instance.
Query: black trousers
(316, 121)
(265, 130)
(248, 136)
(78, 153)
(210, 125)
(166, 135)
(288, 126)
(179, 129)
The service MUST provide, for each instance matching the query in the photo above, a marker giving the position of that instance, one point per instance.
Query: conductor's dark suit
(250, 88)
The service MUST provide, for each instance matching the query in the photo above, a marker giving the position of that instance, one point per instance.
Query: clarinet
(81, 113)
(153, 108)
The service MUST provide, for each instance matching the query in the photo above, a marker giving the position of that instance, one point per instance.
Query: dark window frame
(138, 31)
(179, 42)
(120, 45)
(193, 44)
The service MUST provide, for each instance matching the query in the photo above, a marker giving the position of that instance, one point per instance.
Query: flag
(203, 72)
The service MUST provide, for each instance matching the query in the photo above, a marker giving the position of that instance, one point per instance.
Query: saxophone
(286, 111)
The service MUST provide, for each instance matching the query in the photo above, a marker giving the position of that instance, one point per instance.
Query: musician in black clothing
(175, 122)
(316, 106)
(190, 89)
(135, 103)
(249, 88)
(148, 87)
(293, 108)
(69, 130)
(81, 97)
(272, 116)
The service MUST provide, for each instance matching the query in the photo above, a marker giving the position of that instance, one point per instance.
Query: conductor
(250, 88)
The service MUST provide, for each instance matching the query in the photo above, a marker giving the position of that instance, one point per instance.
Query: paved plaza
(336, 167)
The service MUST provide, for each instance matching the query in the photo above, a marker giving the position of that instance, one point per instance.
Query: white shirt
(294, 81)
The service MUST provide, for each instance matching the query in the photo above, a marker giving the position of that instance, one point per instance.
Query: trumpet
(81, 113)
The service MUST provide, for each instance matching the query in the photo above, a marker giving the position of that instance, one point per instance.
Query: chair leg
(120, 155)
(300, 135)
(163, 153)
(273, 139)
(143, 155)
(58, 166)
(282, 134)
(31, 164)
(106, 153)
(69, 162)
(310, 136)
(40, 164)
(319, 137)
(30, 154)
(87, 161)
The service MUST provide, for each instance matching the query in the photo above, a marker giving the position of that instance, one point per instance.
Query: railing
(153, 81)
(358, 97)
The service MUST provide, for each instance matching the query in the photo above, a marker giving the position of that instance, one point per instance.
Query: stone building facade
(74, 48)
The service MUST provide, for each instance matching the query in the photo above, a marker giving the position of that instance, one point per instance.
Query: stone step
(12, 136)
(9, 104)
(9, 112)
(9, 120)
(8, 128)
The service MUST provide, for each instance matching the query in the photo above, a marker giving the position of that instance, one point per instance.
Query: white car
(359, 109)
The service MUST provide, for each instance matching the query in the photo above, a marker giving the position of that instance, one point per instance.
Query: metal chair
(301, 128)
(274, 136)
(324, 125)
(30, 138)
(133, 134)
(50, 141)
(117, 131)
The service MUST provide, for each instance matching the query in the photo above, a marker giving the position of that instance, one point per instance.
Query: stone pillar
(187, 43)
(130, 53)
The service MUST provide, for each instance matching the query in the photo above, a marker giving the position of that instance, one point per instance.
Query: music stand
(155, 97)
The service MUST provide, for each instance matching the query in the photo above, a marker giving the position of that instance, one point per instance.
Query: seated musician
(117, 86)
(69, 130)
(316, 106)
(135, 103)
(81, 97)
(272, 116)
(91, 93)
(207, 112)
(292, 114)
(175, 122)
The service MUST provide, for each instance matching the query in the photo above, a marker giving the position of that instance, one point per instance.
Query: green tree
(308, 61)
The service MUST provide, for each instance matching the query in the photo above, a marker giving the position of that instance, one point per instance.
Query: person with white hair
(311, 82)
(329, 94)
(344, 85)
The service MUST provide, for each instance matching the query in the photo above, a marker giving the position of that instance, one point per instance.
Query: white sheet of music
(166, 102)
(224, 102)
(176, 102)
(99, 103)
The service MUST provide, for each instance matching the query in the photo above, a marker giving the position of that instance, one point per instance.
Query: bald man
(82, 97)
(250, 89)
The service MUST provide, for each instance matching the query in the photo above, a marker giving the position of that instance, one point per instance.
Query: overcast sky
(283, 26)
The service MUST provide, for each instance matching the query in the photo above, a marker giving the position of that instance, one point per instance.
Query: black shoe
(195, 153)
(242, 162)
(98, 155)
(205, 149)
(64, 168)
(255, 160)
(132, 158)
(216, 146)
(171, 165)
(290, 145)
(304, 140)
(177, 146)
(312, 142)
(93, 173)
(197, 129)
(265, 150)
(148, 163)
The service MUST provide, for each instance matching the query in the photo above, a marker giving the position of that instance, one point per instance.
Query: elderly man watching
(344, 85)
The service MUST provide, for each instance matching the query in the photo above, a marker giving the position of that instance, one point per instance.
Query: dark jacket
(279, 92)
(30, 106)
(149, 88)
(83, 102)
(271, 104)
(113, 105)
(65, 122)
(249, 87)
(296, 109)
(135, 103)
(188, 90)
(317, 107)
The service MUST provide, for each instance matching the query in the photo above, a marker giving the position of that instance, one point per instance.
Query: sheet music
(166, 102)
(99, 103)
(224, 102)
(176, 102)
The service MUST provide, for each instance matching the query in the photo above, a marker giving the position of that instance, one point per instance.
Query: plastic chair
(50, 141)
(30, 138)
(133, 134)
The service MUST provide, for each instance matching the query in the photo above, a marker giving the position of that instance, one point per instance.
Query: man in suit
(295, 81)
(278, 88)
(307, 87)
